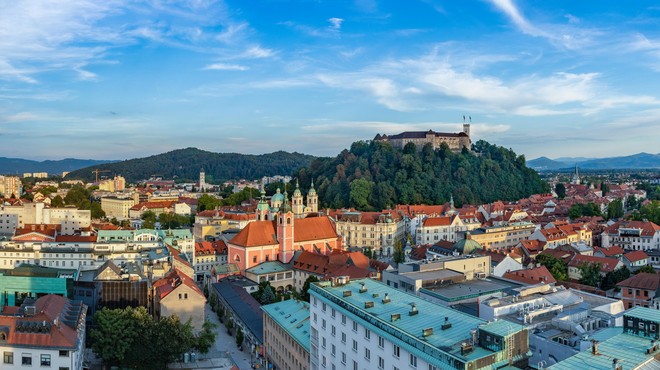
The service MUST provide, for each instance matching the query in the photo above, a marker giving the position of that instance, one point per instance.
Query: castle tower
(297, 205)
(466, 128)
(202, 181)
(313, 199)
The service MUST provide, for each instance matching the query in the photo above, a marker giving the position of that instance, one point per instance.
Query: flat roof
(269, 267)
(644, 313)
(465, 290)
(293, 316)
(439, 274)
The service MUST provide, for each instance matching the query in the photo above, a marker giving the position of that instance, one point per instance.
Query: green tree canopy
(560, 189)
(557, 267)
(304, 293)
(590, 274)
(615, 209)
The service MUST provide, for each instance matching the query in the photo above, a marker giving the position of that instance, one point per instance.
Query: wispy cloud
(226, 67)
(258, 52)
(335, 23)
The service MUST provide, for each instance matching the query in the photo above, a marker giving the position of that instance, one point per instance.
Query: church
(282, 229)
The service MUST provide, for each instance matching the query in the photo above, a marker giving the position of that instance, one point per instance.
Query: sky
(125, 79)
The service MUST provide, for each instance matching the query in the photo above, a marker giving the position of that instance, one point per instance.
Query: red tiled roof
(533, 246)
(208, 248)
(44, 229)
(611, 251)
(643, 280)
(48, 309)
(531, 276)
(419, 253)
(256, 233)
(75, 239)
(635, 256)
(173, 280)
(606, 264)
(648, 228)
(259, 233)
(437, 221)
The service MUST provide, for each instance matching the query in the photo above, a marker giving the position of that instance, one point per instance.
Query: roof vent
(413, 310)
(447, 324)
(363, 289)
(368, 304)
(395, 317)
(427, 332)
(347, 293)
(375, 295)
(386, 299)
(653, 348)
(466, 348)
(30, 311)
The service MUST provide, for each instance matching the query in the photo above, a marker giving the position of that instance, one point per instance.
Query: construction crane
(97, 171)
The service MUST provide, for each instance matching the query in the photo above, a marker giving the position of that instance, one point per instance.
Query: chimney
(616, 365)
(447, 324)
(413, 310)
(594, 347)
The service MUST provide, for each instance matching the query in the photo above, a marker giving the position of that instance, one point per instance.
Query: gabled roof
(647, 228)
(172, 280)
(533, 246)
(258, 233)
(643, 280)
(635, 256)
(531, 276)
(437, 221)
(611, 251)
(606, 264)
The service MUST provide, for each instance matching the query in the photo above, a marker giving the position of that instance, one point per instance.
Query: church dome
(277, 197)
(296, 193)
(467, 245)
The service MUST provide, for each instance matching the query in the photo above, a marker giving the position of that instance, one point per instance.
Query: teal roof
(431, 315)
(644, 313)
(277, 197)
(502, 328)
(467, 245)
(607, 333)
(129, 235)
(630, 350)
(269, 267)
(293, 316)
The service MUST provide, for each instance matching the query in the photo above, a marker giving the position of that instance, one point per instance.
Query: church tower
(202, 181)
(312, 199)
(576, 176)
(262, 208)
(297, 205)
(285, 223)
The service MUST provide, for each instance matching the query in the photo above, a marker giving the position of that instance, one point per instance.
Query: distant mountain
(185, 164)
(573, 159)
(635, 161)
(17, 166)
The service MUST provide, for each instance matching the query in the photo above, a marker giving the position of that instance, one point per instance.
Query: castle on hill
(456, 141)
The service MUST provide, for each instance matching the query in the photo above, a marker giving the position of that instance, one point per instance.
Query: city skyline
(119, 80)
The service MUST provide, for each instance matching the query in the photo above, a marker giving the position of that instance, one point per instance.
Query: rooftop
(465, 290)
(293, 316)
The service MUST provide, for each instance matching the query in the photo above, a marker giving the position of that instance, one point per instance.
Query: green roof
(293, 316)
(630, 350)
(431, 315)
(28, 270)
(644, 313)
(502, 328)
(269, 267)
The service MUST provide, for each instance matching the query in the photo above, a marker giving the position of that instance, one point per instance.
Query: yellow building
(118, 183)
(505, 236)
(374, 230)
(117, 207)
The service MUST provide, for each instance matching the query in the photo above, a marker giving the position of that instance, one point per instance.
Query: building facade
(286, 334)
(455, 141)
(375, 230)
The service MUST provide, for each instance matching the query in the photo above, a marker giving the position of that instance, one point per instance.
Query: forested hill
(185, 164)
(374, 176)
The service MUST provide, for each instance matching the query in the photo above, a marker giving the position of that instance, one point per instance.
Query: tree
(113, 335)
(646, 268)
(304, 292)
(229, 324)
(632, 203)
(96, 211)
(57, 202)
(360, 192)
(149, 218)
(268, 296)
(590, 274)
(650, 212)
(205, 339)
(557, 267)
(615, 209)
(604, 188)
(239, 338)
(614, 277)
(399, 255)
(583, 209)
(560, 189)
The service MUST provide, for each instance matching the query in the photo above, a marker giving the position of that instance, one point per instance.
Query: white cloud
(335, 23)
(258, 52)
(510, 10)
(226, 67)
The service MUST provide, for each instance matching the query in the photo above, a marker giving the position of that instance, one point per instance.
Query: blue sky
(123, 79)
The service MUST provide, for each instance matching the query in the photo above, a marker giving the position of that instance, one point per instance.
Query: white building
(20, 214)
(48, 333)
(364, 324)
(632, 235)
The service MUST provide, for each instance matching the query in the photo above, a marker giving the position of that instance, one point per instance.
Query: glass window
(396, 350)
(381, 362)
(381, 342)
(8, 358)
(355, 326)
(45, 360)
(26, 359)
(413, 360)
(355, 346)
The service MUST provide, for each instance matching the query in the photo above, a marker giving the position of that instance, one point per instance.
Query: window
(323, 342)
(8, 358)
(381, 362)
(323, 306)
(323, 361)
(343, 319)
(413, 360)
(395, 350)
(323, 323)
(355, 326)
(333, 313)
(64, 368)
(367, 353)
(26, 359)
(45, 360)
(343, 358)
(355, 365)
(343, 337)
(333, 330)
(367, 334)
(333, 350)
(431, 367)
(355, 346)
(381, 342)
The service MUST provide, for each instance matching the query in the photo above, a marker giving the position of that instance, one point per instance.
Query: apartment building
(286, 334)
